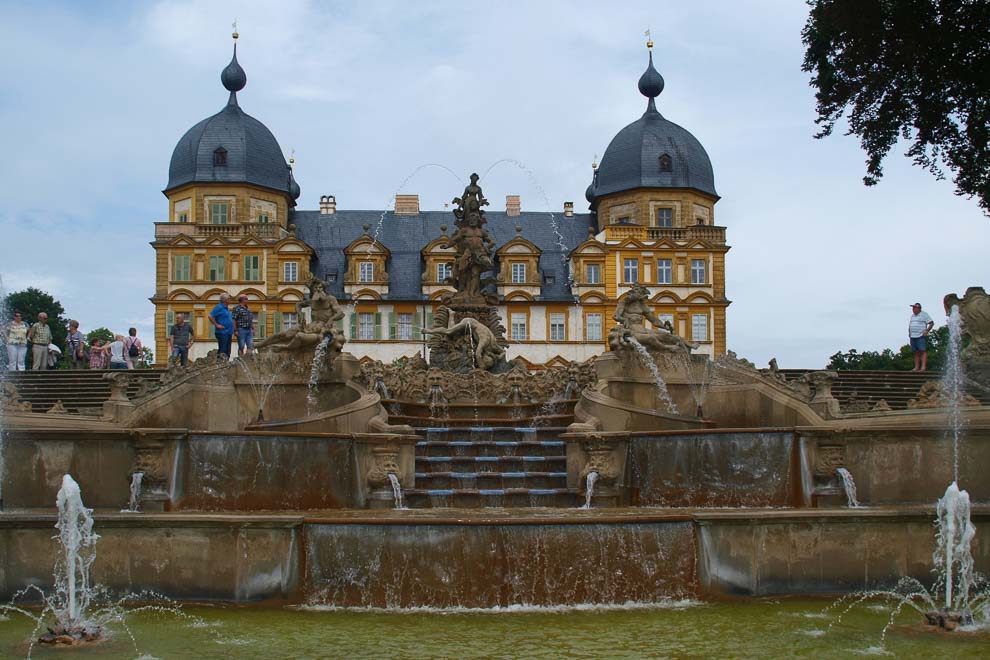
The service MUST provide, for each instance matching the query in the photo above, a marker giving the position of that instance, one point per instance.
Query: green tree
(31, 302)
(147, 358)
(888, 360)
(100, 333)
(916, 70)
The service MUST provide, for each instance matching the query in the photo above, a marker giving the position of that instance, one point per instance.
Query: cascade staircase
(512, 457)
(80, 391)
(895, 387)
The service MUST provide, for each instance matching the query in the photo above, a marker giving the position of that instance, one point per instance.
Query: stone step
(490, 480)
(427, 422)
(490, 464)
(473, 498)
(492, 448)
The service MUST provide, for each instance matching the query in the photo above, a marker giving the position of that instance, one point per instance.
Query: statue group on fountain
(318, 316)
(474, 247)
(631, 313)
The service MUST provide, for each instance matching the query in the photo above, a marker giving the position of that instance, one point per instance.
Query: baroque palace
(234, 226)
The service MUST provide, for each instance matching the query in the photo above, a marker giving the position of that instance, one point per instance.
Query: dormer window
(219, 157)
(665, 163)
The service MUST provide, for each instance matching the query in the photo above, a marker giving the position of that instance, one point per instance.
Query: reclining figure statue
(324, 312)
(487, 352)
(630, 313)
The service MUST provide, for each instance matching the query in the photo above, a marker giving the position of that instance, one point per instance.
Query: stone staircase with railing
(80, 391)
(897, 388)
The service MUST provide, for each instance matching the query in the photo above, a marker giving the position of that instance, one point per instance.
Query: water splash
(134, 501)
(849, 486)
(262, 370)
(4, 367)
(954, 381)
(700, 373)
(662, 394)
(438, 403)
(396, 490)
(391, 202)
(589, 489)
(319, 359)
(78, 541)
(952, 557)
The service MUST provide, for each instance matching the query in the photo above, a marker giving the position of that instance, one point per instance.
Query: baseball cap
(916, 305)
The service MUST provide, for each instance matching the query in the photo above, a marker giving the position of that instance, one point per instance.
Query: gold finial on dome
(292, 158)
(594, 162)
(234, 25)
(649, 39)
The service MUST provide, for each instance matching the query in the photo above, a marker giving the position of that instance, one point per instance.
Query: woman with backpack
(133, 352)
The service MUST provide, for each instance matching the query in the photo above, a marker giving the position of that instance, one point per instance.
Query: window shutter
(417, 332)
(354, 318)
(393, 332)
(262, 328)
(429, 318)
(169, 320)
(340, 325)
(277, 317)
(378, 325)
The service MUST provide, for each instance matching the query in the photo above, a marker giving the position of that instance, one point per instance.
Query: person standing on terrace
(919, 325)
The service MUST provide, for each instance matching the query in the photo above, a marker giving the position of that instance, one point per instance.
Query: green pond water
(757, 628)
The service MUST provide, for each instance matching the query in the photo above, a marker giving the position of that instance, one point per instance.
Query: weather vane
(649, 39)
(292, 157)
(234, 25)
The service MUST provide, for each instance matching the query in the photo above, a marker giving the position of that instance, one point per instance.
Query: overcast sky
(94, 96)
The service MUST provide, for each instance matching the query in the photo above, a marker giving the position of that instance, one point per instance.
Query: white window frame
(669, 216)
(366, 326)
(518, 327)
(558, 326)
(518, 273)
(215, 215)
(666, 317)
(630, 266)
(290, 271)
(404, 326)
(366, 271)
(593, 327)
(444, 270)
(593, 268)
(699, 271)
(665, 267)
(289, 320)
(699, 327)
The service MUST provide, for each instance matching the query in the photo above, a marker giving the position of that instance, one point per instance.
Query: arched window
(219, 157)
(665, 163)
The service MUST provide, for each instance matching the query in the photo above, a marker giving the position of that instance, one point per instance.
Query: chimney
(568, 209)
(513, 205)
(328, 204)
(407, 204)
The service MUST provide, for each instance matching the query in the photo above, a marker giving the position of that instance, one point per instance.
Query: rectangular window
(665, 271)
(366, 271)
(698, 274)
(558, 326)
(219, 212)
(444, 271)
(405, 327)
(665, 217)
(182, 270)
(218, 269)
(289, 320)
(593, 327)
(518, 273)
(183, 217)
(518, 329)
(263, 218)
(290, 271)
(593, 273)
(366, 326)
(252, 268)
(699, 327)
(666, 318)
(630, 271)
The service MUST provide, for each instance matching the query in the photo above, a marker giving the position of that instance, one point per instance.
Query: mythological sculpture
(324, 312)
(487, 352)
(631, 313)
(974, 308)
(474, 246)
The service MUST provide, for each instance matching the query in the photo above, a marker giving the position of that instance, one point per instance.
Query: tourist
(116, 351)
(180, 339)
(40, 336)
(97, 354)
(74, 346)
(16, 336)
(223, 322)
(919, 325)
(133, 353)
(243, 326)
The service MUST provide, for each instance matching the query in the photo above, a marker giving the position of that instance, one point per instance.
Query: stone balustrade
(264, 230)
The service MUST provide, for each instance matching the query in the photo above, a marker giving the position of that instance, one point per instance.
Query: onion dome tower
(653, 152)
(231, 146)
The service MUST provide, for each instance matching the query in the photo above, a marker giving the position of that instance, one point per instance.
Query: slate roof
(406, 235)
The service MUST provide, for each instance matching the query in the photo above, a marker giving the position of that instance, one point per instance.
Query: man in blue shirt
(224, 323)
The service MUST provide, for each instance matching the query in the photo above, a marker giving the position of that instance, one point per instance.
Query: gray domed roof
(633, 158)
(252, 154)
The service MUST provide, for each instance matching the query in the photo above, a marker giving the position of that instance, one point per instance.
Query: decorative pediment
(365, 245)
(558, 361)
(438, 246)
(250, 241)
(701, 298)
(217, 242)
(366, 294)
(252, 294)
(292, 245)
(666, 297)
(666, 243)
(590, 248)
(592, 298)
(632, 243)
(699, 244)
(181, 241)
(519, 246)
(290, 295)
(518, 295)
(182, 294)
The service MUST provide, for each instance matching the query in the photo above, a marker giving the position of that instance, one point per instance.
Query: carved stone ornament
(599, 450)
(118, 385)
(828, 459)
(385, 461)
(934, 394)
(974, 309)
(10, 400)
(57, 409)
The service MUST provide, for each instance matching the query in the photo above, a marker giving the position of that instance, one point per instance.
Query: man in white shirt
(919, 326)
